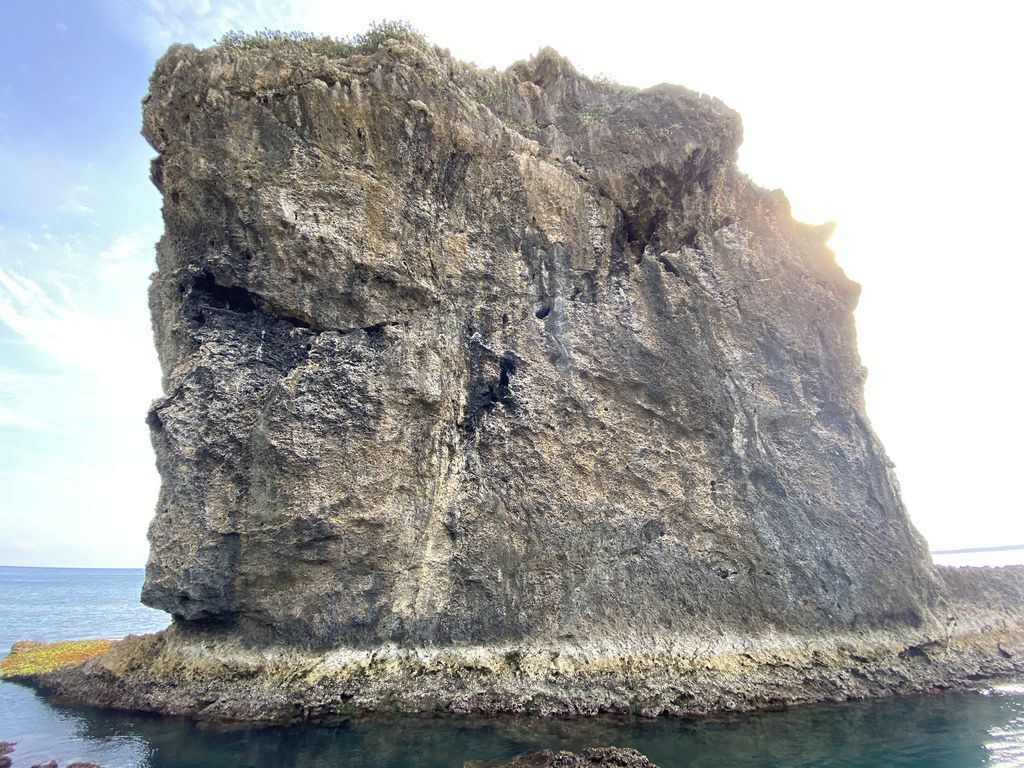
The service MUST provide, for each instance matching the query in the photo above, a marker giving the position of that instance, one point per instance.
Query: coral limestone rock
(506, 391)
(465, 357)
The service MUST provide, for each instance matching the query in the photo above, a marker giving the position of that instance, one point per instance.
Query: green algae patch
(29, 658)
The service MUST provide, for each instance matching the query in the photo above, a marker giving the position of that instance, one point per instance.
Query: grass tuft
(530, 130)
(593, 114)
(30, 658)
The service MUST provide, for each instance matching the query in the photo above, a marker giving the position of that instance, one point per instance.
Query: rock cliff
(464, 357)
(505, 369)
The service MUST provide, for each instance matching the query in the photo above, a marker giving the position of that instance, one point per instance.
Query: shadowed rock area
(507, 391)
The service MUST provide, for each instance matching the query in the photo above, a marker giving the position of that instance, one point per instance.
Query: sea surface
(942, 731)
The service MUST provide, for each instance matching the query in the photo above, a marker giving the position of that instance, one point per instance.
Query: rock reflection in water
(947, 731)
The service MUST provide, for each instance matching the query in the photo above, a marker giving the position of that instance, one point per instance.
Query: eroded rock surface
(506, 391)
(469, 357)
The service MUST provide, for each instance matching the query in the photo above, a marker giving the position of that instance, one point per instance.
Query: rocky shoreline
(214, 676)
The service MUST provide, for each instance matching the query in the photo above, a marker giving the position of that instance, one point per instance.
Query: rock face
(471, 357)
(507, 392)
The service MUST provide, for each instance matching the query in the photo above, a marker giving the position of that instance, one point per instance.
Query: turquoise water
(948, 731)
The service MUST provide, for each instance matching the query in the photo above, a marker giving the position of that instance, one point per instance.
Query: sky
(901, 122)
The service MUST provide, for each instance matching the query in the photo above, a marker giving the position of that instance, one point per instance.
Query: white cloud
(126, 246)
(12, 418)
(28, 547)
(127, 257)
(74, 201)
(91, 321)
(37, 401)
(19, 289)
(73, 204)
(57, 328)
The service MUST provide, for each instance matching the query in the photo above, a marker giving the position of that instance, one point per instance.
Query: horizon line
(81, 567)
(969, 550)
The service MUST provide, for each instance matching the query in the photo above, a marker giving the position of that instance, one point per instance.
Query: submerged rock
(507, 391)
(7, 748)
(601, 756)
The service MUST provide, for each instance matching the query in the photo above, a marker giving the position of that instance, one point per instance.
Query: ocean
(939, 731)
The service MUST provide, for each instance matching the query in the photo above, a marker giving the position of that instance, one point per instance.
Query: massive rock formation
(508, 365)
(464, 357)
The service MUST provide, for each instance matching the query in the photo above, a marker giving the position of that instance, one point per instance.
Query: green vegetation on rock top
(29, 658)
(307, 42)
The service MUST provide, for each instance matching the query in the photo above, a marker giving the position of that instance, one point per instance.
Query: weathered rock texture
(491, 367)
(430, 380)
